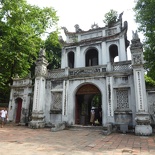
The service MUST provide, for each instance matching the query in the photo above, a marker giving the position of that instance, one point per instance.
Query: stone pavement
(21, 140)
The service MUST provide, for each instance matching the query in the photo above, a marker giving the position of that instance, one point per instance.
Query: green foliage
(53, 51)
(145, 16)
(96, 100)
(110, 17)
(150, 83)
(21, 28)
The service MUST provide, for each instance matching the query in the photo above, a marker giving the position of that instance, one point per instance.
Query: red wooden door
(18, 112)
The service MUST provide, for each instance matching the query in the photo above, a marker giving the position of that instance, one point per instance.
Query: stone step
(83, 127)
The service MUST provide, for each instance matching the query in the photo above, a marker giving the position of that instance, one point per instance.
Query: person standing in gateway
(3, 116)
(92, 115)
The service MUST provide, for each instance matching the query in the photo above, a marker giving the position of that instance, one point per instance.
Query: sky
(87, 12)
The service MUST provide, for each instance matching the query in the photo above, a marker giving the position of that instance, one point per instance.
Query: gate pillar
(142, 116)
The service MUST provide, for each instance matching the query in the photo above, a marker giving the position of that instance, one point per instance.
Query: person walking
(3, 117)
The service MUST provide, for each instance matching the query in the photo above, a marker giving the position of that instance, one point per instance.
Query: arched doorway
(71, 59)
(87, 96)
(18, 109)
(113, 51)
(91, 58)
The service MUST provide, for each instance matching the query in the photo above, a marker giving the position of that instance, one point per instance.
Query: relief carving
(137, 59)
(40, 71)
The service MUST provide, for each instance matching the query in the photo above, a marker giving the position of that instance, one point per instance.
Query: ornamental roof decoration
(77, 28)
(94, 26)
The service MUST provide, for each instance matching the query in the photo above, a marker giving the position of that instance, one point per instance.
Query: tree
(110, 17)
(21, 28)
(145, 16)
(53, 50)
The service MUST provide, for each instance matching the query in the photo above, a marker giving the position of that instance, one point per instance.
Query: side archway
(18, 102)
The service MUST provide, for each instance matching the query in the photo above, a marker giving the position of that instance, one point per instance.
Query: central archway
(87, 95)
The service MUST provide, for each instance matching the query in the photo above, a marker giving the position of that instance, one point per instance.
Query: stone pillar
(142, 116)
(110, 99)
(39, 92)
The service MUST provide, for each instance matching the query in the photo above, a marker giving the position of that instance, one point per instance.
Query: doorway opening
(87, 96)
(18, 109)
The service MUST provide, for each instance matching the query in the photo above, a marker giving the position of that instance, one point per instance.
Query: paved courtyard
(21, 140)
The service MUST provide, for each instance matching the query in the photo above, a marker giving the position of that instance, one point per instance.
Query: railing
(123, 66)
(87, 70)
(57, 73)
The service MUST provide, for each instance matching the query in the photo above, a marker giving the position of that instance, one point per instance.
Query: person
(3, 116)
(92, 115)
(6, 115)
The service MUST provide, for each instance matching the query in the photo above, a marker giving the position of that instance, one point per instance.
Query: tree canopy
(145, 16)
(110, 17)
(21, 28)
(53, 51)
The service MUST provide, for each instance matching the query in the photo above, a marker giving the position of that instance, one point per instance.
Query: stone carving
(77, 28)
(120, 16)
(86, 71)
(94, 26)
(140, 91)
(111, 32)
(57, 101)
(17, 76)
(42, 52)
(40, 71)
(135, 35)
(137, 59)
(122, 99)
(125, 24)
(37, 70)
(136, 46)
(37, 94)
(122, 67)
(65, 29)
(61, 40)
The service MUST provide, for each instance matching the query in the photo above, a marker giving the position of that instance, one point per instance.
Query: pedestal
(37, 120)
(143, 127)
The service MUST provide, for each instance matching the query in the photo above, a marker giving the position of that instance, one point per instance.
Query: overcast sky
(86, 12)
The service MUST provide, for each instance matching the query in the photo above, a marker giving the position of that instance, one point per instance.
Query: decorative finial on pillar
(135, 43)
(42, 52)
(135, 35)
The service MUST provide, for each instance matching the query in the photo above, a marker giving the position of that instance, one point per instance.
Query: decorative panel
(122, 99)
(57, 101)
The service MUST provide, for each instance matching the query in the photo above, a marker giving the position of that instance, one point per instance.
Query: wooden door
(18, 112)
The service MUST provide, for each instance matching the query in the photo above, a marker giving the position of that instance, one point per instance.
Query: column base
(143, 130)
(143, 127)
(37, 120)
(36, 124)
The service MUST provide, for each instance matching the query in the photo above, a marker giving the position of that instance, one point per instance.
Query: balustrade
(89, 71)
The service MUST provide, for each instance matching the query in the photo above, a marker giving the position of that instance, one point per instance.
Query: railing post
(67, 71)
(109, 67)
